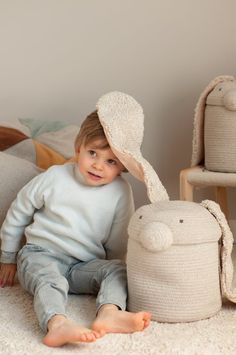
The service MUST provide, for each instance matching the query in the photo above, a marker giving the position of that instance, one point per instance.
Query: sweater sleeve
(20, 215)
(116, 244)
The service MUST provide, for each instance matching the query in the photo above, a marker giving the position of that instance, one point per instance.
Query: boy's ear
(77, 151)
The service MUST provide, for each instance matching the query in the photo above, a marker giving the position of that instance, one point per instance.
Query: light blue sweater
(57, 211)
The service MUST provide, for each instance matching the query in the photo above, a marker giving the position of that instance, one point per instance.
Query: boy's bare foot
(62, 331)
(112, 320)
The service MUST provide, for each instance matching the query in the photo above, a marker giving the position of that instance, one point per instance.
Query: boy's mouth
(94, 176)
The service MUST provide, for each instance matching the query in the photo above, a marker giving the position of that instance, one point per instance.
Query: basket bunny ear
(122, 119)
(227, 269)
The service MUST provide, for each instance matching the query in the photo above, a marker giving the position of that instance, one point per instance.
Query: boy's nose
(98, 164)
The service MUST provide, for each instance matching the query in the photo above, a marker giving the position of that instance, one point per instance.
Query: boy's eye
(92, 153)
(111, 162)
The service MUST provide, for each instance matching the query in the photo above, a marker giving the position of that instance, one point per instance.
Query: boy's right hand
(7, 274)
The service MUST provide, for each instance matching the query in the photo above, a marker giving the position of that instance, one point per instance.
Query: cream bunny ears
(122, 119)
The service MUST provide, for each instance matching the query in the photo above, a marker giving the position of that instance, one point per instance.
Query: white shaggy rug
(20, 335)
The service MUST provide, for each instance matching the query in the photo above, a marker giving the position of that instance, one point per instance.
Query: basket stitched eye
(140, 217)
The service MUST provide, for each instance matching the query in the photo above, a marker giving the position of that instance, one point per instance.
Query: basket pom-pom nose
(156, 236)
(230, 100)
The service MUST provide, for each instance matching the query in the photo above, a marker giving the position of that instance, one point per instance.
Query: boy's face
(98, 166)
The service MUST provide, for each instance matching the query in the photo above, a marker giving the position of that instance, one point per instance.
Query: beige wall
(57, 57)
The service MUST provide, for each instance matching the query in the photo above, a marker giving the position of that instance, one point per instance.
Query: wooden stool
(198, 176)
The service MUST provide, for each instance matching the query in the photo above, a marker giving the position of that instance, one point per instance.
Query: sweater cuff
(8, 257)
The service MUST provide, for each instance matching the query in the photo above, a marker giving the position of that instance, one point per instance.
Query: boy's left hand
(7, 274)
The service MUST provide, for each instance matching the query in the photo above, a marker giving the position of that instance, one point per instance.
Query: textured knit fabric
(220, 128)
(122, 119)
(70, 217)
(173, 261)
(226, 254)
(199, 118)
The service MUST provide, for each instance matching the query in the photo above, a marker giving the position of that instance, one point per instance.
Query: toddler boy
(75, 219)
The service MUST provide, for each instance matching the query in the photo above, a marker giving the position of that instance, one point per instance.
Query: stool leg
(221, 199)
(186, 189)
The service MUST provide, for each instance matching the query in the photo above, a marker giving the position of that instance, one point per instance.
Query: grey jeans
(50, 276)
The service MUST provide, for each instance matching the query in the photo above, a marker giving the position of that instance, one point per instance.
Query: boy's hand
(7, 274)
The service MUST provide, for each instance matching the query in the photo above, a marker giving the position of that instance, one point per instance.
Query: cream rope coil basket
(220, 128)
(173, 261)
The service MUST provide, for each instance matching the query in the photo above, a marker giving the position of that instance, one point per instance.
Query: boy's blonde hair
(91, 130)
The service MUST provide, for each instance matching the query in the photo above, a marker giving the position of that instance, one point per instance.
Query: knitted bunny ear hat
(122, 119)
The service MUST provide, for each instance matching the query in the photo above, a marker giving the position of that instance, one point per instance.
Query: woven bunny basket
(214, 144)
(173, 260)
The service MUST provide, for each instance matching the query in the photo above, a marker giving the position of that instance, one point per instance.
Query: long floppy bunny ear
(122, 119)
(227, 269)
